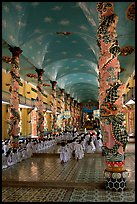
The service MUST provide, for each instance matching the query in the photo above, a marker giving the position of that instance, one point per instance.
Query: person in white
(63, 153)
(79, 153)
(89, 148)
(29, 149)
(100, 144)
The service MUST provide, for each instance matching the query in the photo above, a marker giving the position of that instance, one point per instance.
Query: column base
(116, 181)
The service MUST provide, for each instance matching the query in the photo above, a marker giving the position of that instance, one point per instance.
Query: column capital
(62, 91)
(39, 71)
(53, 83)
(16, 51)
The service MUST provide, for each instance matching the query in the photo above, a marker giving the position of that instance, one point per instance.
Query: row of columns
(14, 118)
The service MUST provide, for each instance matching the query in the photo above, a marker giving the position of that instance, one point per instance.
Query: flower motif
(107, 174)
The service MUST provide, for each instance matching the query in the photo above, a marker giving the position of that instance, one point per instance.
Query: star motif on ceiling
(6, 8)
(37, 31)
(81, 78)
(74, 41)
(82, 27)
(4, 23)
(64, 53)
(35, 3)
(11, 37)
(48, 19)
(64, 22)
(79, 55)
(21, 24)
(56, 8)
(18, 7)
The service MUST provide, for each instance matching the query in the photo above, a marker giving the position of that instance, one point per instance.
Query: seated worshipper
(19, 153)
(6, 147)
(63, 153)
(83, 142)
(79, 152)
(10, 160)
(4, 160)
(29, 149)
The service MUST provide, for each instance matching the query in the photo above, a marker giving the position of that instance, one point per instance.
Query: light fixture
(24, 106)
(130, 102)
(49, 111)
(4, 102)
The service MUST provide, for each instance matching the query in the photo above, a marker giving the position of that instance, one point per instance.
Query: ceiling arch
(60, 38)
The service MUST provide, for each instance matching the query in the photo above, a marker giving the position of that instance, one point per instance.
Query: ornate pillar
(40, 122)
(14, 118)
(67, 108)
(75, 113)
(54, 107)
(62, 108)
(110, 99)
(72, 111)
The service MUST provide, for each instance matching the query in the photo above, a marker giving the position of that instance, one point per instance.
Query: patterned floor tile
(43, 178)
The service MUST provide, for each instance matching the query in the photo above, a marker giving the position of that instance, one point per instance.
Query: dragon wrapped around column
(14, 118)
(40, 122)
(110, 98)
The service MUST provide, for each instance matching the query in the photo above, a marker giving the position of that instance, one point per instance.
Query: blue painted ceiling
(71, 60)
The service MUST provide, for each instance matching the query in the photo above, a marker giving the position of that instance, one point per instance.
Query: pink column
(14, 119)
(63, 107)
(54, 107)
(40, 122)
(110, 99)
(72, 111)
(68, 109)
(75, 113)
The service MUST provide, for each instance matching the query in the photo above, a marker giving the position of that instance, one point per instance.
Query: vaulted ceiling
(60, 38)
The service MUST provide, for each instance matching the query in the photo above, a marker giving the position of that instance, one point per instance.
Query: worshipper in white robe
(79, 153)
(19, 153)
(63, 153)
(5, 147)
(100, 144)
(10, 159)
(4, 160)
(91, 147)
(29, 149)
(69, 151)
(83, 143)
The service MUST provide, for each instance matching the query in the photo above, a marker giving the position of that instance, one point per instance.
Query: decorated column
(75, 113)
(72, 111)
(63, 108)
(40, 122)
(54, 107)
(14, 118)
(110, 99)
(67, 108)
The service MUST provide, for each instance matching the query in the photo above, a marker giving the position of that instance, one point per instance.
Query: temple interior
(68, 102)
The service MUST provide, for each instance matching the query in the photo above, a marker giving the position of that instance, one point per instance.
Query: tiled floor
(43, 178)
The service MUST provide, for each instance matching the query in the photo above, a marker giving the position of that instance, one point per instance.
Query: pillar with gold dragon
(114, 134)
